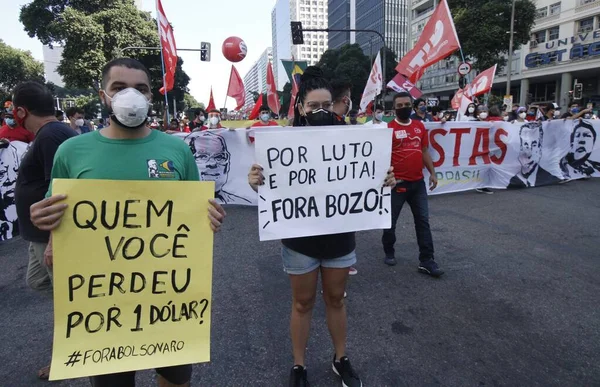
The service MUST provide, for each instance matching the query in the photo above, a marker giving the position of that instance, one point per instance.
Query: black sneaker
(390, 261)
(485, 191)
(344, 370)
(298, 377)
(431, 268)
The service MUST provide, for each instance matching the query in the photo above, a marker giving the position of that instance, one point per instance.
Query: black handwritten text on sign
(323, 181)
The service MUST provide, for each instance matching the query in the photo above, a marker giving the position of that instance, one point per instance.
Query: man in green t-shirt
(125, 150)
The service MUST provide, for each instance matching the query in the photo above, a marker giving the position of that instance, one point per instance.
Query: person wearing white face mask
(76, 121)
(213, 121)
(521, 114)
(378, 116)
(125, 150)
(264, 120)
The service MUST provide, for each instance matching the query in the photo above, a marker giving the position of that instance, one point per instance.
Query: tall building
(255, 79)
(52, 58)
(389, 18)
(564, 48)
(312, 14)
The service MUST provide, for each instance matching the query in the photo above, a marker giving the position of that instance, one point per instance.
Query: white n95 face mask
(79, 122)
(130, 107)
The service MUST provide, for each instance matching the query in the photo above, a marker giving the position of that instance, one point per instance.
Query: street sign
(464, 68)
(462, 82)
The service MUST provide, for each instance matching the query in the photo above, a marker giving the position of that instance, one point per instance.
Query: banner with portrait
(10, 159)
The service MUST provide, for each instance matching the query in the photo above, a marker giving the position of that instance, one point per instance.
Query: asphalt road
(518, 306)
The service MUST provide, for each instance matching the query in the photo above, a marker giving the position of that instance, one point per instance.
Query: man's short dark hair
(74, 110)
(215, 111)
(122, 62)
(378, 107)
(34, 97)
(265, 108)
(573, 103)
(199, 111)
(59, 113)
(339, 89)
(402, 94)
(418, 101)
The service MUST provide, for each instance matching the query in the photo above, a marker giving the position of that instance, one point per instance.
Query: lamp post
(510, 48)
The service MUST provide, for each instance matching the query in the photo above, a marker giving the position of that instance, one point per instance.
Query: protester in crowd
(377, 115)
(512, 114)
(353, 117)
(420, 113)
(410, 154)
(576, 112)
(214, 120)
(34, 111)
(532, 113)
(174, 125)
(341, 94)
(495, 114)
(469, 114)
(116, 152)
(199, 119)
(76, 121)
(482, 113)
(521, 115)
(12, 131)
(550, 111)
(185, 125)
(331, 255)
(264, 118)
(60, 116)
(436, 114)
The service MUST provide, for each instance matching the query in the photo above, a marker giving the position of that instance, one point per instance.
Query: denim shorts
(296, 264)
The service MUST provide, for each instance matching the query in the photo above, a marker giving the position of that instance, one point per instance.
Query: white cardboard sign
(324, 180)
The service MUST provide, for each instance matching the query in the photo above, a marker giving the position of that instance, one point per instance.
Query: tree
(93, 32)
(90, 104)
(483, 26)
(348, 64)
(17, 66)
(190, 102)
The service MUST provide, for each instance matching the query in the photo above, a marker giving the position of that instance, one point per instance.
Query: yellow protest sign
(132, 276)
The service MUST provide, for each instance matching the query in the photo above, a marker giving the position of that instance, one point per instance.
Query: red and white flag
(256, 109)
(272, 96)
(463, 106)
(437, 41)
(168, 47)
(236, 88)
(482, 83)
(374, 84)
(455, 103)
(399, 84)
(211, 102)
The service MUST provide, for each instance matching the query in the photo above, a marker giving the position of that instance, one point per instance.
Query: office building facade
(390, 18)
(255, 79)
(564, 48)
(312, 14)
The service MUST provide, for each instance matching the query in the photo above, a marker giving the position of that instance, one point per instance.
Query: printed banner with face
(10, 159)
(132, 276)
(324, 180)
(225, 157)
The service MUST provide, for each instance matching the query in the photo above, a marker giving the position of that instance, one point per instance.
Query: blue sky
(193, 21)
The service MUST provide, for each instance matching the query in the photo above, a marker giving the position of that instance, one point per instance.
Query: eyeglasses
(219, 158)
(314, 105)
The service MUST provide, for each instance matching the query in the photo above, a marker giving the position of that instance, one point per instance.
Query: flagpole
(228, 83)
(162, 63)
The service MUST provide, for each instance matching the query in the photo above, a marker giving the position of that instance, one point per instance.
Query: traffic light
(297, 35)
(578, 91)
(205, 52)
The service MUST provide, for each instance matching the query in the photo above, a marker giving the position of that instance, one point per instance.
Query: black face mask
(403, 113)
(320, 117)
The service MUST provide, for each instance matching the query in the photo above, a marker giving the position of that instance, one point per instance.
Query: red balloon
(234, 49)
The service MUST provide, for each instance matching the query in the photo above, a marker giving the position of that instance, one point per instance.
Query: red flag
(437, 41)
(399, 84)
(236, 88)
(254, 114)
(169, 49)
(272, 96)
(482, 83)
(455, 103)
(211, 102)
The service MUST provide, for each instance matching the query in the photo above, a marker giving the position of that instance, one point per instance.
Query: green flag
(289, 67)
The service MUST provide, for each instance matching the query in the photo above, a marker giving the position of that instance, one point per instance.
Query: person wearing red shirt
(213, 122)
(410, 155)
(11, 131)
(264, 120)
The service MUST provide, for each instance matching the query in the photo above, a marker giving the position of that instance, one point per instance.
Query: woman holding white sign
(331, 255)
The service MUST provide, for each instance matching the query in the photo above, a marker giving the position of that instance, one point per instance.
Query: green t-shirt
(157, 156)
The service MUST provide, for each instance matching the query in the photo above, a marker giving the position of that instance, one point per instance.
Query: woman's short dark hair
(34, 97)
(312, 79)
